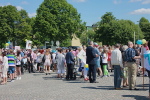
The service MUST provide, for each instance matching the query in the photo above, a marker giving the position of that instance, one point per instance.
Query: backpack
(43, 59)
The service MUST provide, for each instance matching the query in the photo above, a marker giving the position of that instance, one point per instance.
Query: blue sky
(92, 10)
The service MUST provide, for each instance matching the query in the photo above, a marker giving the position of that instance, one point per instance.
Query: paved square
(38, 86)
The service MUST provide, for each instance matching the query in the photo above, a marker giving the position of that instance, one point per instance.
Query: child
(105, 63)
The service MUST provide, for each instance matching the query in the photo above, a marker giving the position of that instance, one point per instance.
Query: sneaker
(12, 81)
(19, 78)
(105, 75)
(86, 79)
(98, 75)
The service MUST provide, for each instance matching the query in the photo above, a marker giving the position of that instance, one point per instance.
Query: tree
(14, 25)
(8, 18)
(106, 18)
(145, 27)
(117, 31)
(57, 20)
(23, 28)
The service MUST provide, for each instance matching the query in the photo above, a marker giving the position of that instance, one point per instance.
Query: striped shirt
(129, 55)
(11, 60)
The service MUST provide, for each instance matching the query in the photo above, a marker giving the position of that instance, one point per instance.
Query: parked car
(74, 47)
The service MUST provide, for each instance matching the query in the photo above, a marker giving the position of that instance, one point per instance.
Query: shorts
(98, 64)
(18, 65)
(61, 71)
(11, 69)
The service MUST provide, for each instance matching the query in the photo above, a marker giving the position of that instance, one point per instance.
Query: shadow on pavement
(51, 78)
(100, 87)
(136, 97)
(141, 85)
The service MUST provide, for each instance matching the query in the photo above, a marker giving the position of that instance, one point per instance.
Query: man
(11, 63)
(30, 60)
(116, 61)
(91, 61)
(70, 64)
(130, 57)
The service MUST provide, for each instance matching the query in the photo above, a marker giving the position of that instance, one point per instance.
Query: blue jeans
(117, 76)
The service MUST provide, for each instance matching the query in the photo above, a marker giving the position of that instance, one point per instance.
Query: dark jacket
(70, 58)
(91, 54)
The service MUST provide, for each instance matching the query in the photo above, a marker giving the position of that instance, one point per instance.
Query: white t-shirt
(104, 58)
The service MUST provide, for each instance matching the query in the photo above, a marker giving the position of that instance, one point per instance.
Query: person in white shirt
(116, 61)
(4, 68)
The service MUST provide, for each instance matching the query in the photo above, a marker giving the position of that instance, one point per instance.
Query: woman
(39, 60)
(61, 63)
(4, 68)
(105, 63)
(0, 65)
(47, 62)
(18, 65)
(147, 64)
(53, 60)
(82, 56)
(144, 49)
(109, 59)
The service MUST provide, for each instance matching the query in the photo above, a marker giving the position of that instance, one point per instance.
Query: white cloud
(142, 1)
(141, 11)
(79, 0)
(117, 1)
(1, 5)
(135, 0)
(19, 7)
(24, 2)
(32, 14)
(146, 2)
(5, 4)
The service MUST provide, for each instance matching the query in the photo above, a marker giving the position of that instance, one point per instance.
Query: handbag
(18, 62)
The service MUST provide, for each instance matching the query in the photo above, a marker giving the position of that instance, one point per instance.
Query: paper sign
(28, 44)
(17, 48)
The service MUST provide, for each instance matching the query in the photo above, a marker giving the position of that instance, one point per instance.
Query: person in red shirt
(109, 58)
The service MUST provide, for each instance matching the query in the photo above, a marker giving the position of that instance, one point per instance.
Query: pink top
(77, 51)
(147, 48)
(74, 53)
(34, 56)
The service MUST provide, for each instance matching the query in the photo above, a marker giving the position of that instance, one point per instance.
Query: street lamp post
(138, 30)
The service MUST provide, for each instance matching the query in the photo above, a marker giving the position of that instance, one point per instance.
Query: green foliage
(57, 20)
(13, 25)
(112, 31)
(145, 27)
(87, 35)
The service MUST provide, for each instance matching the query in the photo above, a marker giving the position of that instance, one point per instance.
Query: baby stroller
(24, 65)
(74, 73)
(41, 67)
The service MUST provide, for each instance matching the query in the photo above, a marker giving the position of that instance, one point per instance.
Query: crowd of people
(127, 62)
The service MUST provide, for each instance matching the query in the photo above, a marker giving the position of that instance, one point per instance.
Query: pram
(24, 65)
(41, 67)
(74, 73)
